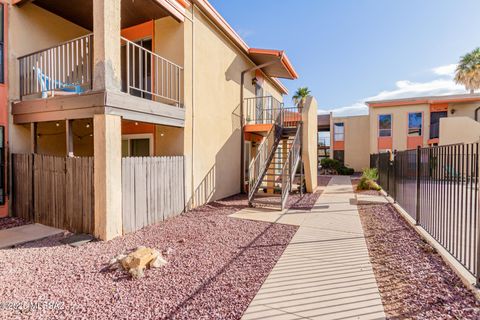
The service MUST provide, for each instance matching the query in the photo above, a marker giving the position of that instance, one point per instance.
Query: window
(137, 145)
(385, 125)
(2, 39)
(339, 131)
(415, 124)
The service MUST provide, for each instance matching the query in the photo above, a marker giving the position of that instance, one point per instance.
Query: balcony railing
(65, 68)
(151, 76)
(266, 110)
(434, 130)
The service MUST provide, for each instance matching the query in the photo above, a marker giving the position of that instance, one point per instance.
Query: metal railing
(151, 76)
(65, 68)
(258, 166)
(290, 167)
(438, 187)
(291, 116)
(261, 110)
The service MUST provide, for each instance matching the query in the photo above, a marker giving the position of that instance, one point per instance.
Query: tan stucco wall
(357, 141)
(399, 124)
(212, 118)
(458, 130)
(169, 141)
(309, 143)
(463, 109)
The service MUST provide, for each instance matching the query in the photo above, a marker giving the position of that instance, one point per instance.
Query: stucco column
(106, 45)
(309, 143)
(107, 135)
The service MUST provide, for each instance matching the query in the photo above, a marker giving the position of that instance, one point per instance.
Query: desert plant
(370, 173)
(468, 71)
(367, 184)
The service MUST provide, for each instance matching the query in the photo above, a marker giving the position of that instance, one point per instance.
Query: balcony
(260, 113)
(67, 69)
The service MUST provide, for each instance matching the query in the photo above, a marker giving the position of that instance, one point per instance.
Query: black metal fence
(438, 187)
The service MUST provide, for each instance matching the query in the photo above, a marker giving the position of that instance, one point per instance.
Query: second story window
(339, 131)
(415, 124)
(385, 125)
(2, 39)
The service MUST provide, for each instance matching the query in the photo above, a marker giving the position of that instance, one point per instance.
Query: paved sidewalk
(325, 271)
(27, 233)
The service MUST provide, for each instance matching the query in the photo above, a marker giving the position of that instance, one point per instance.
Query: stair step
(267, 195)
(267, 203)
(271, 181)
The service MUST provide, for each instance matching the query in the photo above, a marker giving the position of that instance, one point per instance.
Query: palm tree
(300, 96)
(468, 71)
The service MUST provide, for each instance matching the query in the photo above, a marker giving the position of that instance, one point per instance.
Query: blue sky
(350, 51)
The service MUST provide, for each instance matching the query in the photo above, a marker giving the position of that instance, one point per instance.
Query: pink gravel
(216, 268)
(11, 222)
(414, 281)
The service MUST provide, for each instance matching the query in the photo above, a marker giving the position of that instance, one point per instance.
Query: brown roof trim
(425, 100)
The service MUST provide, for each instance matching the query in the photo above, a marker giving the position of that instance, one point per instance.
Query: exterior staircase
(272, 172)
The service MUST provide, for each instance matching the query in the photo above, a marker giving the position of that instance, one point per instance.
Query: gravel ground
(216, 268)
(11, 222)
(414, 281)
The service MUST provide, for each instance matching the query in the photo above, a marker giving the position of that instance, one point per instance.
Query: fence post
(394, 162)
(477, 211)
(388, 173)
(417, 201)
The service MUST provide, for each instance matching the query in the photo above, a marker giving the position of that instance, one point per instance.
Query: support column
(69, 138)
(33, 137)
(107, 133)
(106, 42)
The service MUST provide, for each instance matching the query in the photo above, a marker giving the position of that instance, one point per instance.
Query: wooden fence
(55, 191)
(152, 189)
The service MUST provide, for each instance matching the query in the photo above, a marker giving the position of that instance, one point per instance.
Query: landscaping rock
(158, 262)
(137, 261)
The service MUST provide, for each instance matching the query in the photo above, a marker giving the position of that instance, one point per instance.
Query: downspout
(193, 102)
(476, 113)
(242, 134)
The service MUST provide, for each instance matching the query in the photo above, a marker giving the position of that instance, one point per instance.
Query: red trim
(258, 127)
(339, 145)
(398, 103)
(277, 53)
(438, 107)
(140, 31)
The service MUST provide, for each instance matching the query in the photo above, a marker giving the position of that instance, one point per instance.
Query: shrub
(367, 184)
(370, 173)
(344, 171)
(328, 163)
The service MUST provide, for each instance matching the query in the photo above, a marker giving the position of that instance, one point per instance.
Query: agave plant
(468, 71)
(300, 96)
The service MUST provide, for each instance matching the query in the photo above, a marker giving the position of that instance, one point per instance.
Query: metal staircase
(271, 174)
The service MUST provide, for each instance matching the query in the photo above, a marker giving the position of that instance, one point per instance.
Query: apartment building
(116, 79)
(403, 124)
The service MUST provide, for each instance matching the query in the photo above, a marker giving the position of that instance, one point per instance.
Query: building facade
(404, 124)
(136, 79)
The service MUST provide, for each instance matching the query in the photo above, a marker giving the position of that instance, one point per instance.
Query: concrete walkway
(325, 271)
(27, 233)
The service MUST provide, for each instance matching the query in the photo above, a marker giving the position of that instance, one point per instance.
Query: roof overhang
(462, 98)
(133, 12)
(283, 69)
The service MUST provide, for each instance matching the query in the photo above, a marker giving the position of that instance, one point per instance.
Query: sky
(351, 51)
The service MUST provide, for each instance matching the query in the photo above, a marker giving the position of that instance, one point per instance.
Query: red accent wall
(385, 143)
(414, 142)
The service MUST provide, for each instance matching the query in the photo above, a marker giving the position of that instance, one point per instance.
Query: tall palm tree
(300, 96)
(468, 71)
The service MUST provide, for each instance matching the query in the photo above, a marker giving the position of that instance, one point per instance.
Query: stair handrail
(290, 165)
(266, 150)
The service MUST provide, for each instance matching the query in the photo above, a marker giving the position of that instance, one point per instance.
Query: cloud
(443, 84)
(448, 70)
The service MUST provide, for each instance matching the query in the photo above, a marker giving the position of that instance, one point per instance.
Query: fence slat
(152, 189)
